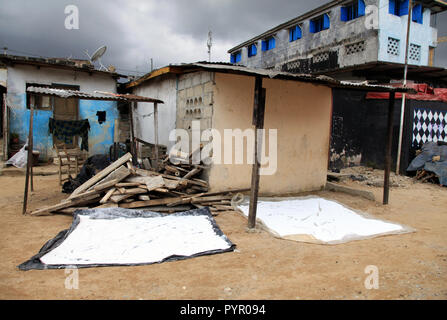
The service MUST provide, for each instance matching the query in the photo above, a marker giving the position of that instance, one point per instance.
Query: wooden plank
(107, 205)
(156, 202)
(154, 183)
(105, 185)
(127, 184)
(192, 173)
(102, 174)
(64, 204)
(135, 191)
(223, 208)
(210, 199)
(121, 190)
(107, 196)
(118, 174)
(171, 184)
(148, 173)
(119, 198)
(85, 195)
(71, 210)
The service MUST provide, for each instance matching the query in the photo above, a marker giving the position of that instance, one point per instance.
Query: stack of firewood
(176, 188)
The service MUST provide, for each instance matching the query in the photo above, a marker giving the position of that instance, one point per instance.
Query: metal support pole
(402, 109)
(258, 121)
(389, 143)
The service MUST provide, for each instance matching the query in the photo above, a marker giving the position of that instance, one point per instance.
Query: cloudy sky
(168, 31)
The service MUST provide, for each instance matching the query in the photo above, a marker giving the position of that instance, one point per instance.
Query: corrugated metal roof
(273, 74)
(97, 95)
(70, 64)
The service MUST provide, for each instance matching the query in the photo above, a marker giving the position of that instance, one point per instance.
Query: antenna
(209, 43)
(97, 56)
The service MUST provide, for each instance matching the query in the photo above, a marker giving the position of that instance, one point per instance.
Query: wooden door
(65, 109)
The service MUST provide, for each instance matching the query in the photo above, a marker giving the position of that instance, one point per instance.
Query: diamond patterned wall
(429, 125)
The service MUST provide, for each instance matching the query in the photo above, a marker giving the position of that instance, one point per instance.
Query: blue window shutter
(312, 26)
(236, 57)
(361, 8)
(291, 35)
(417, 14)
(344, 13)
(326, 22)
(254, 49)
(392, 6)
(271, 43)
(264, 45)
(232, 58)
(299, 34)
(404, 6)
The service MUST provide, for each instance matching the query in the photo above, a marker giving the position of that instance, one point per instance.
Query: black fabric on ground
(91, 167)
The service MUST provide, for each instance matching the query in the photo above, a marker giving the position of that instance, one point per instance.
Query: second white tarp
(318, 220)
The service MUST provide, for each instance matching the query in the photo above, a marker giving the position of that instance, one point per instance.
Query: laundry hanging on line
(65, 130)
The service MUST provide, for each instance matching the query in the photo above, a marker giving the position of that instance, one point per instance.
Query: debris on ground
(369, 177)
(122, 185)
(431, 163)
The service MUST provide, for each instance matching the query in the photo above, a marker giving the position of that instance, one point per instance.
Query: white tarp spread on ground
(318, 220)
(138, 240)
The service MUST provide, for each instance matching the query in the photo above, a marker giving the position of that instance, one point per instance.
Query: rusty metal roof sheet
(97, 95)
(273, 74)
(62, 63)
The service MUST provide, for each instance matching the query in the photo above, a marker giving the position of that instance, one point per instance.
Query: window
(398, 7)
(235, 57)
(417, 14)
(268, 44)
(393, 46)
(415, 52)
(319, 24)
(43, 102)
(40, 102)
(353, 11)
(252, 50)
(355, 48)
(295, 33)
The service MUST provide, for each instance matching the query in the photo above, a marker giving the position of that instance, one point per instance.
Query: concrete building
(221, 96)
(342, 34)
(19, 73)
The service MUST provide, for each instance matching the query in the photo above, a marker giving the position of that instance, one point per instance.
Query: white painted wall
(3, 76)
(20, 75)
(163, 88)
(396, 27)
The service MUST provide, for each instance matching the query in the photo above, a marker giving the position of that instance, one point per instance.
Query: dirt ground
(411, 266)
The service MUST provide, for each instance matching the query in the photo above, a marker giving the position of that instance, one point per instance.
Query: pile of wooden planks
(426, 176)
(122, 185)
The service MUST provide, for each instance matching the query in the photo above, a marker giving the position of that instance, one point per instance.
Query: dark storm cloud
(135, 31)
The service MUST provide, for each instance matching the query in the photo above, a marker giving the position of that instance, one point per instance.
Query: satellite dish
(97, 56)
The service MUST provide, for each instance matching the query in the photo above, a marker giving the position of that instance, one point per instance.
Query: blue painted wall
(100, 135)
